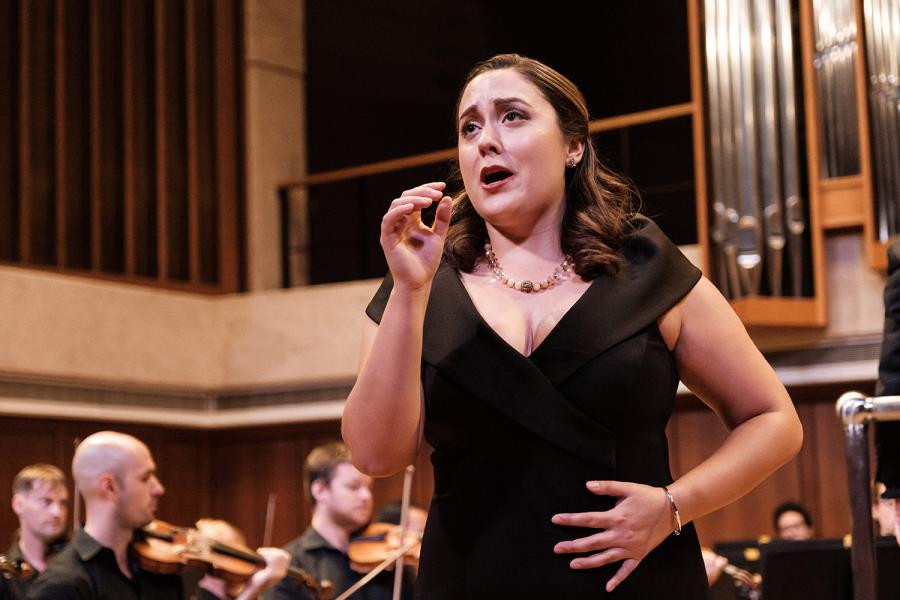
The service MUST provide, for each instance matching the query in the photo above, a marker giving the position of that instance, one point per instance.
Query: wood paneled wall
(121, 133)
(230, 474)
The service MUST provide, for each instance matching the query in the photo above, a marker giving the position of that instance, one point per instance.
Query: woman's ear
(575, 151)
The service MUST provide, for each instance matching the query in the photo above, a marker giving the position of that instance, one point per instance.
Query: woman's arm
(382, 422)
(721, 365)
(383, 417)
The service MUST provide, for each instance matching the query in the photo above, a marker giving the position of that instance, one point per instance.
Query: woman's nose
(488, 141)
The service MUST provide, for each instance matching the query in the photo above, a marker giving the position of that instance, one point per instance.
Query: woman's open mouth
(494, 177)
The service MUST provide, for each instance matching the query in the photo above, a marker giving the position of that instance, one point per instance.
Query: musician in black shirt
(341, 500)
(40, 500)
(116, 475)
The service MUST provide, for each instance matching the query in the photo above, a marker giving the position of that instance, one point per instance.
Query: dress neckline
(472, 308)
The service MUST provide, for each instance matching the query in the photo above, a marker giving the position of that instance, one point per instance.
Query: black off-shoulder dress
(516, 437)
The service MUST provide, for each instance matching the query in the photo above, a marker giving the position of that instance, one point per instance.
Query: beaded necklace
(524, 286)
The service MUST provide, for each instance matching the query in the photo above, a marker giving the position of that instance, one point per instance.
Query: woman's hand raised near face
(412, 249)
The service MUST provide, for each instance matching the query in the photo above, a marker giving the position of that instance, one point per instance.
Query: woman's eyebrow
(497, 102)
(512, 100)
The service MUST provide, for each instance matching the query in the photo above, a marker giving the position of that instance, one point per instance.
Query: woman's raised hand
(638, 523)
(412, 249)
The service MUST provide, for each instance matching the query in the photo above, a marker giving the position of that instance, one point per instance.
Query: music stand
(806, 570)
(821, 570)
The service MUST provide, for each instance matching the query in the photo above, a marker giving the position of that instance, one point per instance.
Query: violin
(15, 569)
(378, 542)
(161, 547)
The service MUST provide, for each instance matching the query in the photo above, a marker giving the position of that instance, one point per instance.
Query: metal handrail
(856, 411)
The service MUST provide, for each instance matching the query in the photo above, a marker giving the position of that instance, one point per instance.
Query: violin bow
(76, 497)
(404, 521)
(270, 519)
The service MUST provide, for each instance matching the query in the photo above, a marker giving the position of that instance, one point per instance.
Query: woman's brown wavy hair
(598, 202)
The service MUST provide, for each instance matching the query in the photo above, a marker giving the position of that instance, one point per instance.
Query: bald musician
(41, 503)
(116, 475)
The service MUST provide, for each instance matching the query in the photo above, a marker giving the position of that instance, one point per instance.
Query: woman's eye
(513, 115)
(468, 128)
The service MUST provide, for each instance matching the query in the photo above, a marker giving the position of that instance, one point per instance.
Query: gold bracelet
(674, 510)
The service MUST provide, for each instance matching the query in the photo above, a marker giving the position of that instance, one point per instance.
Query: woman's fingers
(394, 217)
(610, 488)
(596, 520)
(442, 217)
(598, 541)
(608, 556)
(419, 201)
(433, 190)
(624, 571)
(405, 205)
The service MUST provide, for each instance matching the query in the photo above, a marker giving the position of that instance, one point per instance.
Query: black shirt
(86, 570)
(312, 553)
(14, 589)
(17, 589)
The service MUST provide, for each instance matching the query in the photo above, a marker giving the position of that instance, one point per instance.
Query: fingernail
(555, 518)
(593, 485)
